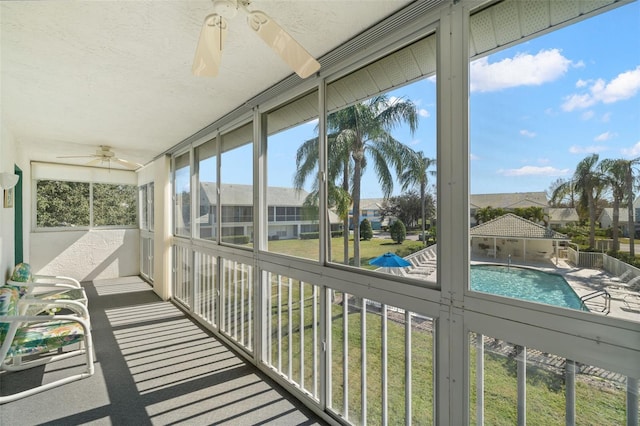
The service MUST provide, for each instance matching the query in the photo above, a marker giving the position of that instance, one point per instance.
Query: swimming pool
(526, 284)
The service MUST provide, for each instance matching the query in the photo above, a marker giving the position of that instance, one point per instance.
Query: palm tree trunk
(345, 222)
(422, 200)
(616, 222)
(632, 224)
(357, 176)
(592, 219)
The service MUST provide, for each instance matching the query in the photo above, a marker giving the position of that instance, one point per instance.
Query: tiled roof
(608, 212)
(242, 195)
(509, 200)
(564, 214)
(512, 226)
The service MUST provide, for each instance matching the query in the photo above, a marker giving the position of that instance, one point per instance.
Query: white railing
(585, 259)
(363, 359)
(619, 268)
(146, 255)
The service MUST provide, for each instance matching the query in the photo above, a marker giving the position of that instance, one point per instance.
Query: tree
(485, 214)
(614, 173)
(587, 182)
(398, 231)
(532, 213)
(562, 193)
(357, 134)
(631, 183)
(61, 203)
(408, 207)
(338, 197)
(416, 173)
(366, 232)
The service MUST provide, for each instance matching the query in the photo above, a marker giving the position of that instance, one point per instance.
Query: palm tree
(631, 182)
(357, 134)
(614, 173)
(563, 193)
(338, 195)
(415, 174)
(588, 183)
(485, 214)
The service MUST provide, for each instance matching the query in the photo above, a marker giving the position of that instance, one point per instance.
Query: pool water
(526, 284)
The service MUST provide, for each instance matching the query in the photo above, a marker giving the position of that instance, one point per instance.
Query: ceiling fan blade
(94, 162)
(283, 44)
(128, 164)
(75, 156)
(209, 49)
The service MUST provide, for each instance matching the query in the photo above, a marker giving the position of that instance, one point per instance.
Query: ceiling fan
(214, 31)
(105, 155)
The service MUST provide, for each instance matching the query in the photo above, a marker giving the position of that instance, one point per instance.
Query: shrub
(366, 232)
(236, 239)
(309, 235)
(335, 234)
(398, 231)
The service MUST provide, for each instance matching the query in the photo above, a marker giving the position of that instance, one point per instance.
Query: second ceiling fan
(214, 31)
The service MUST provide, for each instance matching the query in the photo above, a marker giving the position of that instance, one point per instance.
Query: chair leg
(88, 372)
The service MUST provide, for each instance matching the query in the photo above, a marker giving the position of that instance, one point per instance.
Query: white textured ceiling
(78, 74)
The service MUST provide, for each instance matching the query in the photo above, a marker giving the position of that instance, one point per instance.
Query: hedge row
(236, 239)
(316, 235)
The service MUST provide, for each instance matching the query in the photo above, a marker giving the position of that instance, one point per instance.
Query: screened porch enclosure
(360, 346)
(245, 227)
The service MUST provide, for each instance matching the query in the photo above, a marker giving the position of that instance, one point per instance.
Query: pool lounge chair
(623, 278)
(632, 285)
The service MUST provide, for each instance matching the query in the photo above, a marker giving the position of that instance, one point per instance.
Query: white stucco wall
(83, 254)
(7, 160)
(86, 255)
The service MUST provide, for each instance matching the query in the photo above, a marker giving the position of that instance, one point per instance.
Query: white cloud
(424, 113)
(606, 117)
(473, 157)
(521, 70)
(588, 115)
(581, 83)
(626, 85)
(535, 171)
(578, 101)
(593, 149)
(634, 151)
(604, 137)
(527, 133)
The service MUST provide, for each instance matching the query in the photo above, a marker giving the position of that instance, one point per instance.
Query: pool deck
(624, 304)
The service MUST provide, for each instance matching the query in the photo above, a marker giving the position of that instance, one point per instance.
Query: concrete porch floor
(154, 366)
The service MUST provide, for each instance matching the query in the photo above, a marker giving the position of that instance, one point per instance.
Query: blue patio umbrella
(389, 260)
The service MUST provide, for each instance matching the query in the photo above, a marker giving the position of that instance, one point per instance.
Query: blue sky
(536, 109)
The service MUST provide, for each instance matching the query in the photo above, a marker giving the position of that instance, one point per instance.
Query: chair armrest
(29, 319)
(80, 309)
(58, 279)
(50, 286)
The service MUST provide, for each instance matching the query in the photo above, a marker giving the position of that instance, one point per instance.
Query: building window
(182, 194)
(292, 129)
(62, 204)
(236, 183)
(114, 205)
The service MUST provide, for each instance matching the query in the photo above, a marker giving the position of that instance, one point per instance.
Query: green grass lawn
(309, 249)
(597, 401)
